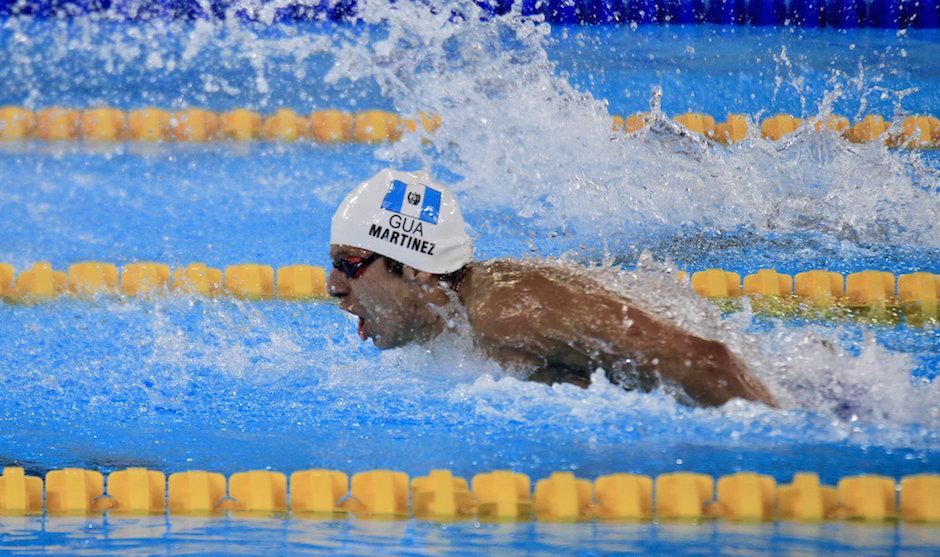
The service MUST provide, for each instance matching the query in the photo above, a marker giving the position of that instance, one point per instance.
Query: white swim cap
(407, 217)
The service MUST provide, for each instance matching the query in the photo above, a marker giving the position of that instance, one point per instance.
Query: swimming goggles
(353, 267)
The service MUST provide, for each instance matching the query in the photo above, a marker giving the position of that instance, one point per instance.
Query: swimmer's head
(406, 217)
(396, 242)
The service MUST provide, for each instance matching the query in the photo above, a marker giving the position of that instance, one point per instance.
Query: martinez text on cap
(405, 216)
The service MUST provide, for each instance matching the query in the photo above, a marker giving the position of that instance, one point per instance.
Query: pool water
(179, 383)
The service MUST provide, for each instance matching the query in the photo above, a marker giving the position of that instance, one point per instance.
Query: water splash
(511, 126)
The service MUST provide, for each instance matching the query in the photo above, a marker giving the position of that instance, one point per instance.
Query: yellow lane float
(440, 495)
(501, 494)
(780, 125)
(74, 491)
(746, 496)
(918, 294)
(562, 497)
(805, 499)
(250, 281)
(194, 124)
(699, 123)
(197, 278)
(301, 282)
(683, 495)
(871, 128)
(380, 492)
(318, 491)
(732, 130)
(103, 125)
(259, 491)
(148, 124)
(240, 125)
(144, 278)
(39, 283)
(920, 498)
(375, 126)
(19, 494)
(867, 497)
(92, 277)
(636, 122)
(917, 132)
(57, 124)
(819, 288)
(195, 492)
(716, 283)
(16, 123)
(7, 275)
(284, 126)
(623, 496)
(331, 126)
(768, 282)
(137, 491)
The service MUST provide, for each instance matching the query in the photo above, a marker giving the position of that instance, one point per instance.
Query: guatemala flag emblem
(413, 200)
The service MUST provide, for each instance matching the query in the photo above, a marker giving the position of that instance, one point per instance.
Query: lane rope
(877, 296)
(197, 125)
(498, 495)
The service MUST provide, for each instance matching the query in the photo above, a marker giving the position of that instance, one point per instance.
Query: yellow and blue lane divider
(871, 295)
(501, 495)
(105, 124)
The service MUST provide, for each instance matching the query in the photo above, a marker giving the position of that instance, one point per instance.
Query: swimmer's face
(393, 310)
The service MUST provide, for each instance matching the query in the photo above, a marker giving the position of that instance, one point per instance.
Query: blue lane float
(842, 14)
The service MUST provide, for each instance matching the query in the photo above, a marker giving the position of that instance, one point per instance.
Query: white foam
(521, 136)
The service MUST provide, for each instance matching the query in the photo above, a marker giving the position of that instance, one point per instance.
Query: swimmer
(402, 264)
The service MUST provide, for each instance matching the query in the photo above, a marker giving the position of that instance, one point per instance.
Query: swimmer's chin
(383, 343)
(366, 333)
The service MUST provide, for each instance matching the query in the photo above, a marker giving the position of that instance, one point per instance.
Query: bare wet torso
(561, 326)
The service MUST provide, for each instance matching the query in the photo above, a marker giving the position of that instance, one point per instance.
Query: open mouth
(362, 330)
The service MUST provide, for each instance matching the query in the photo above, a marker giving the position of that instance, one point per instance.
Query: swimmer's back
(562, 325)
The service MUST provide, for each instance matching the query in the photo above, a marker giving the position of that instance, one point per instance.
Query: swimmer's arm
(706, 369)
(540, 323)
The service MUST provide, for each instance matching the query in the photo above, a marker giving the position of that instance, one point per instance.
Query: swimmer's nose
(338, 284)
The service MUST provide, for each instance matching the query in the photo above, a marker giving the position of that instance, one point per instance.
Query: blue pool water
(178, 383)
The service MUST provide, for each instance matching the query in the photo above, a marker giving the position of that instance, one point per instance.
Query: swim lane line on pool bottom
(497, 495)
(104, 124)
(872, 295)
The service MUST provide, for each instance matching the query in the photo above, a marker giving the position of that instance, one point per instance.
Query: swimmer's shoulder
(500, 294)
(514, 300)
(503, 302)
(496, 280)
